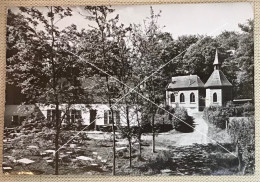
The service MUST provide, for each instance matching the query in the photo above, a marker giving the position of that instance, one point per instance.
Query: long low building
(95, 115)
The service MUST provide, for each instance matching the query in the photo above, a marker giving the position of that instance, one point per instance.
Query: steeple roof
(216, 61)
(216, 79)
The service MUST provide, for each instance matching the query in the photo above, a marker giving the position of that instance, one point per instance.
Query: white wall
(187, 104)
(100, 108)
(209, 97)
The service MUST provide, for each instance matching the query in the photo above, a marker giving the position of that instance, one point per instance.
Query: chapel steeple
(218, 88)
(216, 62)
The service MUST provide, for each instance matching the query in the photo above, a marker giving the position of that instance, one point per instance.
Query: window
(172, 97)
(192, 97)
(15, 119)
(74, 115)
(51, 114)
(182, 98)
(108, 117)
(215, 97)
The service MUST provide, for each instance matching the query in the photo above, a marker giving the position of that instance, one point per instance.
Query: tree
(199, 58)
(245, 58)
(228, 43)
(105, 49)
(148, 46)
(38, 64)
(242, 132)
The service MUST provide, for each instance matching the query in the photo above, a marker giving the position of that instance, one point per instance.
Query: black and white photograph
(141, 90)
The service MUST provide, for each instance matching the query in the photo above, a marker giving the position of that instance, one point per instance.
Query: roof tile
(217, 78)
(190, 81)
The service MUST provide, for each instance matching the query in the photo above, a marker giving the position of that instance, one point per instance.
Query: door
(93, 114)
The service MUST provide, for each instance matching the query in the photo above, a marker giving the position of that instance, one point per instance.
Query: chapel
(191, 93)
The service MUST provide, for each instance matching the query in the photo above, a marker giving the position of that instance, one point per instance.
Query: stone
(46, 158)
(49, 161)
(43, 153)
(85, 158)
(32, 147)
(74, 160)
(166, 171)
(72, 145)
(104, 160)
(121, 148)
(7, 168)
(50, 151)
(25, 161)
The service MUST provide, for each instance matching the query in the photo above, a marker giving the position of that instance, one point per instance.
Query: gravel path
(198, 136)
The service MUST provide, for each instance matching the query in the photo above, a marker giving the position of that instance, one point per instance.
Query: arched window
(172, 97)
(192, 97)
(182, 98)
(215, 97)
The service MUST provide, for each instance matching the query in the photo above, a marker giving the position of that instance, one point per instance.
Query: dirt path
(199, 135)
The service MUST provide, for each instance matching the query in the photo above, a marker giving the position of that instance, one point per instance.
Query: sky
(177, 19)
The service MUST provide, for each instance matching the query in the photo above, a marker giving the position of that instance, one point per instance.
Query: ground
(199, 136)
(91, 153)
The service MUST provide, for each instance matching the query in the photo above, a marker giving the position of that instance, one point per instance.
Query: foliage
(245, 58)
(219, 116)
(38, 63)
(148, 46)
(182, 121)
(242, 132)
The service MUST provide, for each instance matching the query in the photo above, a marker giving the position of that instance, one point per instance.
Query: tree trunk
(130, 152)
(129, 134)
(113, 128)
(239, 156)
(139, 137)
(57, 139)
(153, 131)
(140, 148)
(114, 146)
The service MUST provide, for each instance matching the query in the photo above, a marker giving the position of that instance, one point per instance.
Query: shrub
(182, 121)
(249, 109)
(242, 132)
(159, 127)
(217, 116)
(220, 115)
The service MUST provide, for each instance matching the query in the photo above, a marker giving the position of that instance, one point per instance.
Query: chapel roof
(217, 79)
(189, 81)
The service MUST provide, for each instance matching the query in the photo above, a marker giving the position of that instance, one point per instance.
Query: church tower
(218, 88)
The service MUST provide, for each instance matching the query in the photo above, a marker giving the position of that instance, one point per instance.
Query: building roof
(190, 81)
(216, 79)
(21, 110)
(216, 61)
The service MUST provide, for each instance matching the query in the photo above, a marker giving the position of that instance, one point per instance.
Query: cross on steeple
(216, 61)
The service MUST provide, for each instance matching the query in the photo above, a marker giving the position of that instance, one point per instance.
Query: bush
(219, 116)
(182, 121)
(249, 109)
(242, 132)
